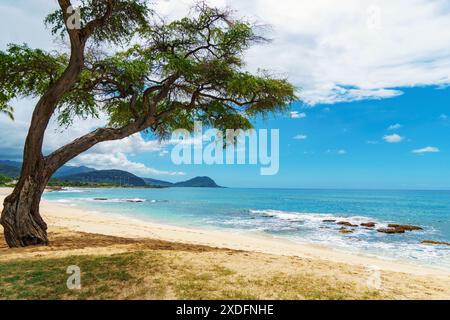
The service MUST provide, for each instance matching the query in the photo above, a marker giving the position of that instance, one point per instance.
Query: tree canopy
(171, 73)
(141, 72)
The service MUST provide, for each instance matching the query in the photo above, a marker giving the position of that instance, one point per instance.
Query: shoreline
(79, 220)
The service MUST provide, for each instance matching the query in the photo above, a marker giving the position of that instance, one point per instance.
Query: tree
(5, 180)
(164, 77)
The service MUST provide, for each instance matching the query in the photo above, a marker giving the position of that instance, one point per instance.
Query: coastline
(249, 255)
(97, 222)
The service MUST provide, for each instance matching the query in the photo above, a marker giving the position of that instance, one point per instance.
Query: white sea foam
(71, 190)
(315, 218)
(118, 200)
(311, 228)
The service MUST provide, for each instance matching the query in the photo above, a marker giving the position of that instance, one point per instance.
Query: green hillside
(9, 171)
(111, 177)
(198, 182)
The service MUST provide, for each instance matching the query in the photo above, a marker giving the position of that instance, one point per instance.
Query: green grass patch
(158, 274)
(101, 277)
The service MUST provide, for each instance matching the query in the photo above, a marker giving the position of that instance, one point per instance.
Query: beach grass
(120, 268)
(156, 274)
(120, 259)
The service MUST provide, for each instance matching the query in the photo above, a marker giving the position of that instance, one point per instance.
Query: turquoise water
(295, 214)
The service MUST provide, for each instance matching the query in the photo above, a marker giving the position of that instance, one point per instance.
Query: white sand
(58, 215)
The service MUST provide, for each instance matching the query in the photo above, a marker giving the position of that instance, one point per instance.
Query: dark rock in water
(345, 230)
(369, 224)
(404, 227)
(329, 221)
(347, 224)
(399, 228)
(435, 242)
(100, 199)
(135, 201)
(391, 231)
(267, 216)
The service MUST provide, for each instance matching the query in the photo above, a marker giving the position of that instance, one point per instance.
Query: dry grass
(118, 268)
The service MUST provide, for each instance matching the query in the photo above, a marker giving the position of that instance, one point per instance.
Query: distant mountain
(157, 183)
(85, 174)
(69, 170)
(63, 171)
(198, 182)
(16, 164)
(9, 171)
(117, 177)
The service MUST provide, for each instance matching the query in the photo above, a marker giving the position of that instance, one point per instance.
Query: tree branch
(84, 143)
(236, 102)
(99, 21)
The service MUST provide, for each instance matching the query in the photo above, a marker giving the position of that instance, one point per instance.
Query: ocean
(295, 214)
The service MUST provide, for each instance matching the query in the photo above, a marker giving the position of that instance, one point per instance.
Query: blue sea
(295, 214)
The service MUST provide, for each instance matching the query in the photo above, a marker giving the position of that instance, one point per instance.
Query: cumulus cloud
(106, 155)
(118, 160)
(297, 115)
(338, 152)
(393, 138)
(333, 50)
(395, 126)
(427, 150)
(353, 50)
(163, 153)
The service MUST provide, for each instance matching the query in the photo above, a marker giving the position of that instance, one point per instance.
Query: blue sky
(363, 66)
(345, 146)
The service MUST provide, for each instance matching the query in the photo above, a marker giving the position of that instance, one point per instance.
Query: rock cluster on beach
(347, 224)
(435, 242)
(348, 227)
(345, 230)
(368, 224)
(398, 228)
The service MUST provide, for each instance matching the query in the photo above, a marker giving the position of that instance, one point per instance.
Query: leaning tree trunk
(22, 223)
(21, 220)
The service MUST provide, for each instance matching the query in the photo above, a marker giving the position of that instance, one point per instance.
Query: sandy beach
(399, 280)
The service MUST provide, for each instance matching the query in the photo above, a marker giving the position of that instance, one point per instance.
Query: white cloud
(163, 153)
(395, 126)
(301, 137)
(119, 161)
(427, 150)
(297, 115)
(132, 145)
(341, 152)
(393, 138)
(346, 50)
(106, 155)
(332, 50)
(372, 142)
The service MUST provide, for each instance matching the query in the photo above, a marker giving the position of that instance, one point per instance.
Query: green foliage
(5, 180)
(64, 184)
(27, 72)
(125, 19)
(182, 71)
